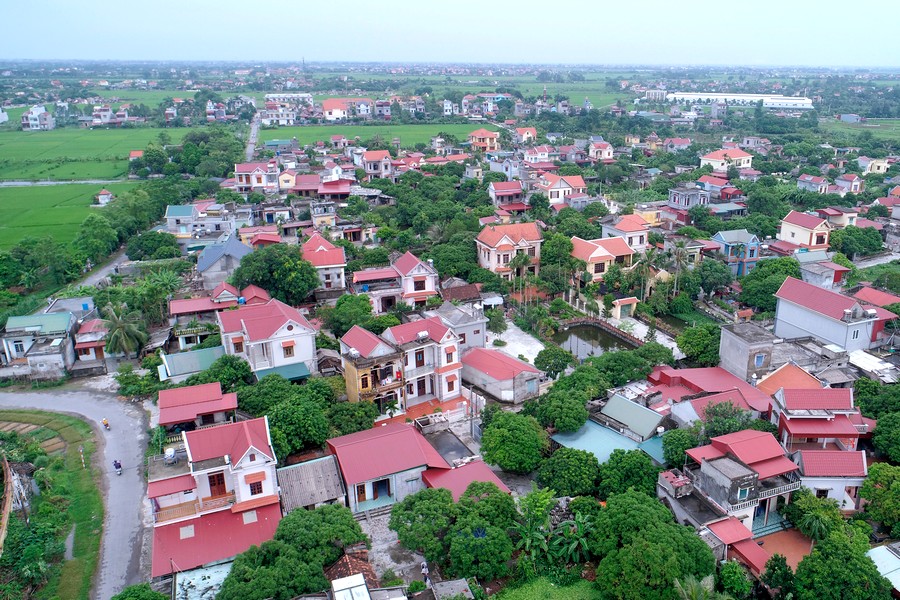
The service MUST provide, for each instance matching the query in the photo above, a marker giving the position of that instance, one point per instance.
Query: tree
(655, 354)
(124, 333)
(478, 549)
(496, 320)
(886, 438)
(297, 426)
(280, 270)
(675, 444)
(514, 442)
(569, 543)
(570, 472)
(758, 288)
(553, 360)
(778, 576)
(723, 418)
(563, 410)
(260, 398)
(152, 244)
(349, 310)
(627, 469)
(734, 581)
(230, 371)
(714, 275)
(838, 569)
(350, 417)
(141, 591)
(96, 238)
(882, 489)
(700, 344)
(691, 588)
(484, 500)
(874, 399)
(422, 520)
(877, 210)
(618, 368)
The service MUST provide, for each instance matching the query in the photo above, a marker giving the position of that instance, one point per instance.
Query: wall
(738, 357)
(792, 321)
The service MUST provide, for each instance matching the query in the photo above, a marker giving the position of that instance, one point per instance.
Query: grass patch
(73, 579)
(885, 129)
(409, 135)
(872, 273)
(543, 589)
(692, 319)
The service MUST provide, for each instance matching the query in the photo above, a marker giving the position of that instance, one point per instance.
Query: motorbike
(118, 467)
(105, 424)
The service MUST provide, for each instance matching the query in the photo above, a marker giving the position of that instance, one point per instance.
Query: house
(259, 177)
(497, 245)
(876, 297)
(384, 465)
(713, 185)
(693, 249)
(508, 195)
(818, 419)
(539, 154)
(177, 367)
(90, 340)
(408, 280)
(193, 319)
(311, 484)
(272, 337)
(215, 498)
(37, 118)
(839, 216)
(217, 262)
(467, 322)
(373, 370)
(600, 151)
(431, 362)
(689, 412)
(200, 219)
(633, 228)
(104, 197)
(42, 342)
(669, 384)
(849, 183)
(377, 164)
(811, 183)
(247, 234)
(559, 188)
(676, 144)
(601, 254)
(804, 230)
(685, 197)
(632, 420)
(501, 376)
(869, 166)
(721, 160)
(524, 134)
(329, 261)
(744, 474)
(806, 310)
(196, 406)
(483, 140)
(135, 154)
(741, 249)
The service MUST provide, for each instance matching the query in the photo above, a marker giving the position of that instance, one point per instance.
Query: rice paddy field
(54, 210)
(72, 154)
(886, 129)
(409, 135)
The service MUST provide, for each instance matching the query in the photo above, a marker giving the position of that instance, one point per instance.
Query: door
(361, 493)
(217, 485)
(420, 358)
(420, 387)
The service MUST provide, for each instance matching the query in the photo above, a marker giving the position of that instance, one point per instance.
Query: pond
(585, 341)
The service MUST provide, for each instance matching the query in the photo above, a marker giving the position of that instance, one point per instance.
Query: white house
(834, 474)
(720, 160)
(328, 259)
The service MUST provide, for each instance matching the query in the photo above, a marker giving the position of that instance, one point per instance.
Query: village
(587, 355)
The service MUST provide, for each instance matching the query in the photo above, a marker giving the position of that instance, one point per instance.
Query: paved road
(251, 141)
(42, 183)
(123, 527)
(97, 274)
(880, 260)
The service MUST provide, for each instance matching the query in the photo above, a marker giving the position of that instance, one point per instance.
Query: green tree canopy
(553, 360)
(837, 570)
(676, 443)
(422, 520)
(484, 500)
(700, 344)
(514, 442)
(882, 490)
(618, 368)
(759, 286)
(479, 549)
(141, 591)
(627, 469)
(778, 576)
(152, 245)
(297, 426)
(280, 270)
(886, 438)
(570, 472)
(564, 410)
(349, 310)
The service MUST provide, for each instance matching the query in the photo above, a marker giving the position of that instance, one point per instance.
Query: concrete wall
(739, 357)
(792, 321)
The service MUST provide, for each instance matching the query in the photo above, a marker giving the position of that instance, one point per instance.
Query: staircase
(776, 523)
(368, 515)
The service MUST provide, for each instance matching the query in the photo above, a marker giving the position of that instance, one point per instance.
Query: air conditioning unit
(354, 353)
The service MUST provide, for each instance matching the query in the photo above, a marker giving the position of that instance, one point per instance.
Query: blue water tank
(242, 300)
(365, 287)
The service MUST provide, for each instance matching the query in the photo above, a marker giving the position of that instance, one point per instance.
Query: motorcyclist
(105, 423)
(117, 466)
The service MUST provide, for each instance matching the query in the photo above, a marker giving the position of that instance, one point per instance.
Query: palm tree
(815, 526)
(645, 264)
(167, 280)
(691, 588)
(123, 330)
(679, 261)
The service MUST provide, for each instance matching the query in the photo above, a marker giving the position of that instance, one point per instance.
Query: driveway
(878, 260)
(123, 527)
(251, 140)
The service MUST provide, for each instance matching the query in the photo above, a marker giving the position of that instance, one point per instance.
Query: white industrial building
(768, 100)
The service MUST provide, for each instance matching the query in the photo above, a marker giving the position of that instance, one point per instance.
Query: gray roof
(736, 236)
(231, 247)
(79, 306)
(49, 324)
(453, 315)
(310, 482)
(179, 210)
(637, 418)
(187, 363)
(813, 256)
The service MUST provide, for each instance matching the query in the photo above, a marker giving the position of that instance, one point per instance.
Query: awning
(419, 295)
(164, 487)
(96, 344)
(420, 278)
(289, 372)
(450, 349)
(287, 344)
(254, 503)
(451, 377)
(238, 339)
(255, 477)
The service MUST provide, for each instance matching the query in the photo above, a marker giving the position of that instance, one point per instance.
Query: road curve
(120, 548)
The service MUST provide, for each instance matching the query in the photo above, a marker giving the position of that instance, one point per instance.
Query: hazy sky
(763, 32)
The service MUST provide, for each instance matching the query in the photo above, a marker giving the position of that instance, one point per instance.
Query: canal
(585, 341)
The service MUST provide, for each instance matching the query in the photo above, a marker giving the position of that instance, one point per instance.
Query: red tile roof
(232, 439)
(173, 485)
(749, 446)
(376, 155)
(751, 554)
(876, 297)
(788, 376)
(458, 479)
(734, 397)
(181, 405)
(730, 530)
(253, 294)
(406, 263)
(408, 332)
(216, 536)
(265, 238)
(225, 287)
(322, 253)
(818, 399)
(506, 186)
(600, 248)
(362, 340)
(814, 298)
(838, 427)
(93, 326)
(631, 223)
(382, 451)
(189, 306)
(496, 364)
(811, 179)
(833, 463)
(250, 167)
(730, 153)
(707, 379)
(862, 222)
(803, 220)
(517, 232)
(484, 133)
(260, 321)
(715, 181)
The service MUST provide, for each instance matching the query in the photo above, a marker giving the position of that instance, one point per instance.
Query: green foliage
(570, 472)
(618, 368)
(514, 442)
(479, 549)
(627, 469)
(124, 330)
(230, 371)
(778, 576)
(875, 399)
(151, 245)
(714, 275)
(837, 570)
(484, 500)
(496, 320)
(852, 240)
(676, 443)
(882, 489)
(562, 410)
(886, 438)
(141, 591)
(350, 417)
(422, 520)
(723, 418)
(349, 310)
(758, 288)
(275, 570)
(416, 586)
(320, 535)
(734, 581)
(297, 426)
(700, 344)
(553, 360)
(815, 517)
(280, 270)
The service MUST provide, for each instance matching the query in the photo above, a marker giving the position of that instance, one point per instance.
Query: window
(531, 251)
(856, 334)
(531, 386)
(252, 457)
(419, 286)
(327, 277)
(821, 493)
(462, 336)
(238, 347)
(793, 234)
(600, 268)
(743, 493)
(449, 357)
(759, 360)
(19, 346)
(186, 532)
(256, 488)
(364, 382)
(451, 385)
(288, 351)
(504, 259)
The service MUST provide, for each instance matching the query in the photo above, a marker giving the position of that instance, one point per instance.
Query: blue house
(741, 250)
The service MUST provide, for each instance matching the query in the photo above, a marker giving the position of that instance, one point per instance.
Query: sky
(617, 32)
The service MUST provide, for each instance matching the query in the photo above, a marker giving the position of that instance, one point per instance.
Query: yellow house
(287, 179)
(806, 231)
(484, 140)
(600, 254)
(648, 213)
(372, 369)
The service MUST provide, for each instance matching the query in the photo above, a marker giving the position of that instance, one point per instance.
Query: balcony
(190, 509)
(781, 489)
(416, 372)
(380, 388)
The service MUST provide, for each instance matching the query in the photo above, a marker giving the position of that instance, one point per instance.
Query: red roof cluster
(408, 332)
(457, 480)
(833, 463)
(181, 405)
(496, 364)
(232, 440)
(260, 321)
(362, 340)
(517, 232)
(322, 253)
(824, 302)
(803, 220)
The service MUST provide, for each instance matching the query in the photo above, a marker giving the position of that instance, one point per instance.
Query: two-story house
(408, 280)
(557, 188)
(720, 160)
(508, 195)
(329, 261)
(373, 370)
(712, 184)
(41, 344)
(741, 250)
(878, 166)
(839, 216)
(676, 144)
(524, 134)
(805, 231)
(538, 154)
(90, 340)
(272, 337)
(467, 322)
(377, 164)
(483, 140)
(203, 218)
(600, 151)
(834, 474)
(685, 197)
(497, 245)
(213, 496)
(256, 177)
(600, 254)
(431, 361)
(217, 262)
(196, 406)
(632, 228)
(37, 118)
(812, 183)
(849, 183)
(818, 419)
(805, 310)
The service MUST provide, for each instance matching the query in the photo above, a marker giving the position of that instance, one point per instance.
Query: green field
(542, 589)
(67, 154)
(886, 129)
(409, 134)
(55, 210)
